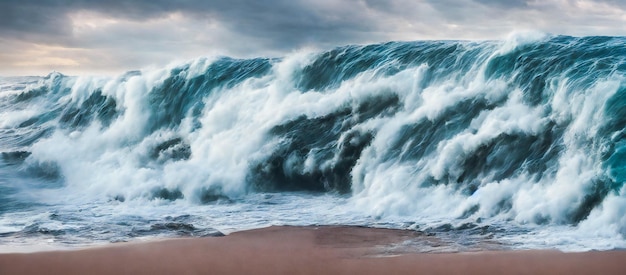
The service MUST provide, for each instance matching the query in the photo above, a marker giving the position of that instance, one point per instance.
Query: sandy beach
(304, 250)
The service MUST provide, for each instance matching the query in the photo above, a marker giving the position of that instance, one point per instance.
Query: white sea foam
(232, 134)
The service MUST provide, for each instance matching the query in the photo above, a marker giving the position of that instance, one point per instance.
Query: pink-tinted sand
(304, 250)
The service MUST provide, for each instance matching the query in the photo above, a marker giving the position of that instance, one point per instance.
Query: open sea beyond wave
(519, 143)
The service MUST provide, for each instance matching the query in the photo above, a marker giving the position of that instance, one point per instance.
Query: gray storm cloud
(83, 36)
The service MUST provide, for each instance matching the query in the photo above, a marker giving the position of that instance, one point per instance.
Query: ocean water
(519, 142)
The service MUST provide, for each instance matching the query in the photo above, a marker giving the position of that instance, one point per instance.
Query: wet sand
(305, 250)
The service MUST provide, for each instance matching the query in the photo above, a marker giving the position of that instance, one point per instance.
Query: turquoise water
(514, 138)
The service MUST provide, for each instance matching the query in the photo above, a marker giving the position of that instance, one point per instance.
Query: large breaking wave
(529, 130)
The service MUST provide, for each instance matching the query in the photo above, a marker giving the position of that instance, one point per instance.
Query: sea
(517, 143)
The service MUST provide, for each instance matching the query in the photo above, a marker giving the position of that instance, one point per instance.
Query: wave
(528, 130)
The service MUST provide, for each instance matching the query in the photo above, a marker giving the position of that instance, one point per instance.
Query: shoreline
(306, 250)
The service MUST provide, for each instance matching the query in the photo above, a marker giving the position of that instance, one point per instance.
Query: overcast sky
(113, 36)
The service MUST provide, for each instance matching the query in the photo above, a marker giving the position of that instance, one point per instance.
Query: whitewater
(519, 143)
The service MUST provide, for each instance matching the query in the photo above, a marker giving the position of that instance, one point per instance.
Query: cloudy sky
(109, 37)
